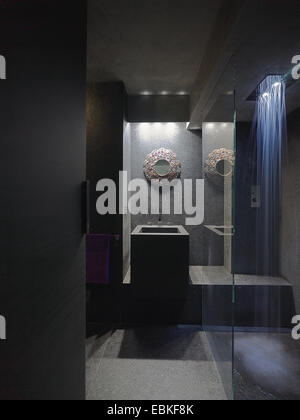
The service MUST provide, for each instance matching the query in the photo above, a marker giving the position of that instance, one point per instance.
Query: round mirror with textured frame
(220, 162)
(162, 164)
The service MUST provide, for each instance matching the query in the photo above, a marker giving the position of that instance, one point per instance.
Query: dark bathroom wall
(105, 125)
(158, 108)
(42, 167)
(106, 105)
(245, 215)
(188, 147)
(290, 219)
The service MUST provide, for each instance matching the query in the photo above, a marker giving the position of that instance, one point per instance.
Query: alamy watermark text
(139, 197)
(296, 329)
(2, 67)
(296, 69)
(2, 328)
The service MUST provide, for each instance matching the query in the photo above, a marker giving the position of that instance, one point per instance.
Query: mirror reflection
(162, 167)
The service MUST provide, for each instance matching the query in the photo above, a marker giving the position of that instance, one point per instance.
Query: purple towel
(98, 259)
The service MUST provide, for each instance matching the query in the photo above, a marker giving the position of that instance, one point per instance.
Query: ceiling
(204, 48)
(153, 46)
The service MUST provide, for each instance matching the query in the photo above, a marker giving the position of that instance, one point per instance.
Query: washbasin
(160, 229)
(160, 256)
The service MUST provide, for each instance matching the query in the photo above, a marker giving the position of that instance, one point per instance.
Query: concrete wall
(158, 108)
(245, 215)
(217, 197)
(290, 220)
(192, 149)
(188, 148)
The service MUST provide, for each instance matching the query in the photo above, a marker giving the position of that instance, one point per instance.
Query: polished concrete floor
(184, 363)
(266, 364)
(171, 363)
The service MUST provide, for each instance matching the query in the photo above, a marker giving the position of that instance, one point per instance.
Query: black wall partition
(42, 167)
(105, 125)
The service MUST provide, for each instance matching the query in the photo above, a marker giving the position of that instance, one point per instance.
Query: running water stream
(270, 133)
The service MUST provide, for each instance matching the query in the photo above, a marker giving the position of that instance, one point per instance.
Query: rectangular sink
(160, 258)
(161, 229)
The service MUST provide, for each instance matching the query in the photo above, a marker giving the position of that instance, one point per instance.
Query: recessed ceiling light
(210, 126)
(171, 128)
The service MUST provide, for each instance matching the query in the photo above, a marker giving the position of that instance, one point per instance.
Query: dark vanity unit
(160, 257)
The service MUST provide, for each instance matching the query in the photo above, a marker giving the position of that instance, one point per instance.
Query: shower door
(216, 272)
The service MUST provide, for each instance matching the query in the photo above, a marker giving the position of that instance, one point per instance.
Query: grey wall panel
(217, 204)
(188, 147)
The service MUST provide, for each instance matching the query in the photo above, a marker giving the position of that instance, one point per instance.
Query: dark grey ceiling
(151, 45)
(261, 41)
(205, 48)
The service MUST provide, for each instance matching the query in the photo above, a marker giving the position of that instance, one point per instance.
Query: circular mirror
(224, 168)
(162, 168)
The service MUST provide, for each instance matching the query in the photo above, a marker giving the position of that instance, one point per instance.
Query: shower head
(280, 79)
(285, 78)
